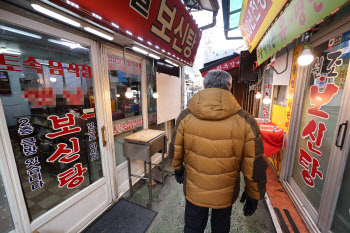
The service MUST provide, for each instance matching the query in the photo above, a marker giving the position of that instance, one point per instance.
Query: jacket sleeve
(176, 147)
(254, 162)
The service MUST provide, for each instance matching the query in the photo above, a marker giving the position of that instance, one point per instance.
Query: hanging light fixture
(267, 100)
(128, 93)
(306, 56)
(155, 95)
(258, 95)
(53, 79)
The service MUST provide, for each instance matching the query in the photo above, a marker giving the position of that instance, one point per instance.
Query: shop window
(320, 110)
(281, 95)
(6, 222)
(152, 97)
(47, 97)
(126, 104)
(266, 91)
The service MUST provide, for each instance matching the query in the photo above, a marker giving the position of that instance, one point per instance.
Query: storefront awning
(291, 24)
(165, 27)
(227, 63)
(256, 17)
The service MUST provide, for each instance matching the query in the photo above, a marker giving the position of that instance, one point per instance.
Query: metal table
(142, 146)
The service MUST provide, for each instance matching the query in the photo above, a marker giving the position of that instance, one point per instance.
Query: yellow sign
(256, 17)
(278, 116)
(276, 161)
(292, 82)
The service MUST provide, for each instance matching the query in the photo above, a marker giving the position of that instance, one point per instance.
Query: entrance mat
(124, 217)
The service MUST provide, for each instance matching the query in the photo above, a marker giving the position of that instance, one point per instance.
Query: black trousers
(196, 219)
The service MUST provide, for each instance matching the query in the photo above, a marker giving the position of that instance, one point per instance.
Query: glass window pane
(6, 222)
(341, 221)
(126, 104)
(48, 100)
(322, 101)
(266, 90)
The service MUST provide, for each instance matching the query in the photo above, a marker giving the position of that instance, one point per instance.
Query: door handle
(344, 134)
(103, 130)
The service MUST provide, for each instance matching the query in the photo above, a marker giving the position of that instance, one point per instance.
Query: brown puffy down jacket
(216, 140)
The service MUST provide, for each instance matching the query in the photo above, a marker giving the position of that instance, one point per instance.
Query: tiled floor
(43, 199)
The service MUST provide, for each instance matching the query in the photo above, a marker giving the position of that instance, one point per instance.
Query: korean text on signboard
(233, 63)
(163, 25)
(297, 18)
(321, 95)
(256, 17)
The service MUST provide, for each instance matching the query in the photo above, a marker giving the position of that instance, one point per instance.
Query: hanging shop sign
(230, 64)
(291, 89)
(297, 18)
(163, 25)
(256, 17)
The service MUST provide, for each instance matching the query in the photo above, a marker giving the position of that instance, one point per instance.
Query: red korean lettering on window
(165, 18)
(69, 155)
(124, 126)
(74, 99)
(309, 131)
(31, 63)
(318, 99)
(72, 177)
(305, 160)
(130, 124)
(40, 96)
(62, 124)
(116, 129)
(5, 58)
(74, 69)
(86, 71)
(55, 68)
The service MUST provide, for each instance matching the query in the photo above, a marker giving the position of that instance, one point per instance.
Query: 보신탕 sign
(163, 25)
(297, 18)
(256, 17)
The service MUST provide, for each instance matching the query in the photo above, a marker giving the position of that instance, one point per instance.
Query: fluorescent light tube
(170, 62)
(98, 33)
(20, 32)
(55, 15)
(4, 50)
(137, 49)
(154, 56)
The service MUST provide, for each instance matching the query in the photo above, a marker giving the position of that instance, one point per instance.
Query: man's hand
(250, 206)
(179, 175)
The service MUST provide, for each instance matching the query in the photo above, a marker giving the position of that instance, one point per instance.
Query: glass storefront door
(320, 121)
(48, 101)
(341, 220)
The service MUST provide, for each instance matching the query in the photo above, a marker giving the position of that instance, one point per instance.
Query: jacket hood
(213, 104)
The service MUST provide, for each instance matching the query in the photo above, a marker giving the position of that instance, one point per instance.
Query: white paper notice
(169, 99)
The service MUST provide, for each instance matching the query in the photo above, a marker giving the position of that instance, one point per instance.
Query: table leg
(129, 174)
(163, 166)
(150, 181)
(145, 168)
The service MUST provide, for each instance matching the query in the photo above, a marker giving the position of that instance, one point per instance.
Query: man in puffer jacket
(213, 141)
